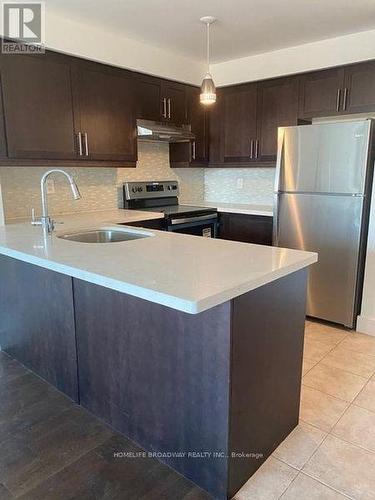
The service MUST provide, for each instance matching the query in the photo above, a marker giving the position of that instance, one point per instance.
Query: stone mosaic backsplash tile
(101, 188)
(239, 185)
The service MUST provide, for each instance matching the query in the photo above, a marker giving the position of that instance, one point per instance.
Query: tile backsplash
(239, 185)
(101, 188)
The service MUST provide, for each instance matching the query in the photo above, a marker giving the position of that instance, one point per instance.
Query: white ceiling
(244, 27)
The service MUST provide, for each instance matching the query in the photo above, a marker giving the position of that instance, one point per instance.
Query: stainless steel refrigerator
(322, 200)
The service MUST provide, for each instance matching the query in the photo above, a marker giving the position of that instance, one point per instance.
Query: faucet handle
(34, 221)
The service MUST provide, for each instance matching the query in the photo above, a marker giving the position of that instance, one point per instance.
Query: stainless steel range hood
(155, 131)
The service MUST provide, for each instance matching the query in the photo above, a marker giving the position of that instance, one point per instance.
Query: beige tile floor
(331, 454)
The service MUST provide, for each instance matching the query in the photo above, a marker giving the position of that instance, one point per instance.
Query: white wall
(92, 42)
(310, 56)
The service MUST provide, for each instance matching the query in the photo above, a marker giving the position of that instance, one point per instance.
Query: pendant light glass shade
(208, 89)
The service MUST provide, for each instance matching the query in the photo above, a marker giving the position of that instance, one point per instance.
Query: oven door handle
(186, 220)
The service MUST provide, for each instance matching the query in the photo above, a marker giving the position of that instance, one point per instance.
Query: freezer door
(330, 226)
(323, 158)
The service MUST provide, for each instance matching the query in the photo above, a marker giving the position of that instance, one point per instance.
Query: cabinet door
(174, 108)
(38, 106)
(214, 114)
(246, 228)
(197, 119)
(104, 100)
(277, 107)
(321, 93)
(239, 123)
(148, 96)
(359, 88)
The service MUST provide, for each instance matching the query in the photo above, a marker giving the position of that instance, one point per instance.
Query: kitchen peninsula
(191, 347)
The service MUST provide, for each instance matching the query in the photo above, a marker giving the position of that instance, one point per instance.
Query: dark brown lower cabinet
(37, 322)
(246, 228)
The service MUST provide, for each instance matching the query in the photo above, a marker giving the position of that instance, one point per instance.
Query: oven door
(203, 225)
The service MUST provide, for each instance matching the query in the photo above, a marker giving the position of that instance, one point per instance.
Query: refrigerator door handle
(280, 153)
(275, 227)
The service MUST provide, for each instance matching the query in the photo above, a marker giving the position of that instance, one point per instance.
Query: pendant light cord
(208, 47)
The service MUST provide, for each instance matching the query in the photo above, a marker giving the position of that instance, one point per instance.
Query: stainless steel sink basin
(103, 236)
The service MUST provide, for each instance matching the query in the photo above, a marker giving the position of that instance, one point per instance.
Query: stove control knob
(140, 189)
(134, 189)
(169, 188)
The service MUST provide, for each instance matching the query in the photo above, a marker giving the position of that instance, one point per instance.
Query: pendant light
(208, 90)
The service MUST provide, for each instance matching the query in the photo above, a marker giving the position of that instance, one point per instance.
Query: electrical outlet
(239, 183)
(50, 184)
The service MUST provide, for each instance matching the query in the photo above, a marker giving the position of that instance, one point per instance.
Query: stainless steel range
(162, 196)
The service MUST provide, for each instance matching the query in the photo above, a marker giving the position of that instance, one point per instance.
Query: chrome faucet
(45, 220)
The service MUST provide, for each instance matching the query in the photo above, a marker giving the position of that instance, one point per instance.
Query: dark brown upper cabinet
(321, 93)
(38, 106)
(239, 123)
(359, 88)
(105, 124)
(148, 97)
(194, 153)
(277, 107)
(199, 125)
(173, 102)
(161, 100)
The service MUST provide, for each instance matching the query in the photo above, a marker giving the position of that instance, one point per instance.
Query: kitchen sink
(104, 236)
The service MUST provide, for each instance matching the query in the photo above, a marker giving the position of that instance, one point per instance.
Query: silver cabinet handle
(169, 107)
(338, 99)
(86, 144)
(257, 148)
(251, 149)
(193, 150)
(79, 138)
(345, 100)
(164, 112)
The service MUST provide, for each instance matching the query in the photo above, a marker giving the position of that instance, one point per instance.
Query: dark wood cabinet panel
(195, 153)
(198, 121)
(174, 106)
(359, 91)
(105, 112)
(148, 96)
(215, 118)
(38, 106)
(321, 93)
(246, 228)
(239, 117)
(277, 107)
(37, 322)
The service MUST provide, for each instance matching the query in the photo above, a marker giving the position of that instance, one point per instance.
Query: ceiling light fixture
(208, 90)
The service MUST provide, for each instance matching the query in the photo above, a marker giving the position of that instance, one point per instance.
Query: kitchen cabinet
(173, 97)
(199, 125)
(160, 100)
(38, 108)
(246, 228)
(68, 111)
(37, 322)
(239, 124)
(321, 93)
(359, 88)
(104, 113)
(195, 153)
(277, 107)
(148, 96)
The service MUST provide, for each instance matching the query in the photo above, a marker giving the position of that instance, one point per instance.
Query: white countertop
(236, 208)
(187, 273)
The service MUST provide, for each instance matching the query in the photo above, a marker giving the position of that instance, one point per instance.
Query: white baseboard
(366, 325)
